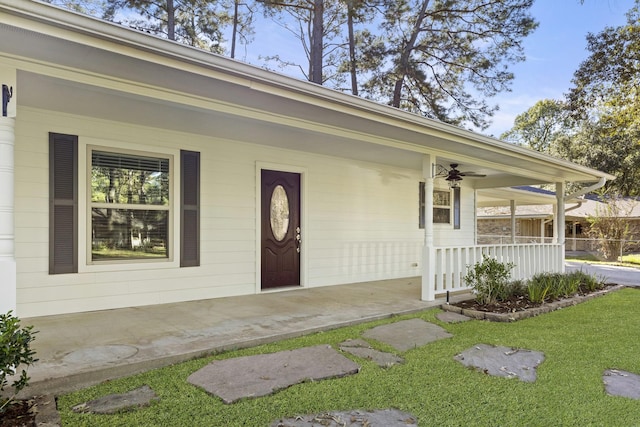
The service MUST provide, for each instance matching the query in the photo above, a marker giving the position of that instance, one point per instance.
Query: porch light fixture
(452, 176)
(454, 181)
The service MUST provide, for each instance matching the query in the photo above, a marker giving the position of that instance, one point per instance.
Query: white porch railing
(529, 259)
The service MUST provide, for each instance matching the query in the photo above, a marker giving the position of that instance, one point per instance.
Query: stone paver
(362, 349)
(502, 361)
(622, 383)
(451, 317)
(114, 403)
(260, 375)
(407, 334)
(378, 418)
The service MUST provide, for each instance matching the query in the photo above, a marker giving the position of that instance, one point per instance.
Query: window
(129, 207)
(441, 207)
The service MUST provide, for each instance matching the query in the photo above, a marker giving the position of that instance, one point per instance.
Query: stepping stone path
(260, 375)
(407, 334)
(115, 403)
(362, 349)
(452, 317)
(502, 361)
(378, 418)
(622, 383)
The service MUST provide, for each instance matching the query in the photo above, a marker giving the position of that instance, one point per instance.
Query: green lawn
(579, 343)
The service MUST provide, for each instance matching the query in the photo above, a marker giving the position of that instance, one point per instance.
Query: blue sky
(554, 51)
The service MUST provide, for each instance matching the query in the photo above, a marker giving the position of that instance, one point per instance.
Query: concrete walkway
(620, 275)
(78, 350)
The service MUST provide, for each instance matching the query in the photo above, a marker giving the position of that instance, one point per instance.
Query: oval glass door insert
(279, 213)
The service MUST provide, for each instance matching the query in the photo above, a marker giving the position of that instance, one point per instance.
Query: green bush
(539, 287)
(552, 286)
(15, 352)
(489, 280)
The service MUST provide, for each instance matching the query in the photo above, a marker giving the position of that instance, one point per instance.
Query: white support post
(8, 279)
(428, 251)
(513, 222)
(560, 224)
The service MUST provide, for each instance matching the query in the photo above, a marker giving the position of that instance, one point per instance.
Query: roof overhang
(81, 65)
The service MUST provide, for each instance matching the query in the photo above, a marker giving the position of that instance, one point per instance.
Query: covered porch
(377, 198)
(81, 349)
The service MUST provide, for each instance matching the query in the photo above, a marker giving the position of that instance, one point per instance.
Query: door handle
(298, 239)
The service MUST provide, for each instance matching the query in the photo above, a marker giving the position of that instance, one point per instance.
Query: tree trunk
(405, 55)
(352, 50)
(171, 20)
(234, 33)
(316, 52)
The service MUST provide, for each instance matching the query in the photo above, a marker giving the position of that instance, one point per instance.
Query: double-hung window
(132, 213)
(442, 206)
(130, 206)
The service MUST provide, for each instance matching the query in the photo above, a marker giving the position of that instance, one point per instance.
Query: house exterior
(135, 171)
(535, 221)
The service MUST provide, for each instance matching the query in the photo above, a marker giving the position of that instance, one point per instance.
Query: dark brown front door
(280, 229)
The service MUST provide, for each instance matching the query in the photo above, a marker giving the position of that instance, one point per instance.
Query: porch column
(7, 249)
(428, 250)
(513, 222)
(7, 138)
(560, 223)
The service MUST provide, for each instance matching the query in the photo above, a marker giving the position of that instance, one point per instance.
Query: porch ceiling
(78, 65)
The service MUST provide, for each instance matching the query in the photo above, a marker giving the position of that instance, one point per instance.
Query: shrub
(588, 282)
(15, 351)
(489, 280)
(539, 286)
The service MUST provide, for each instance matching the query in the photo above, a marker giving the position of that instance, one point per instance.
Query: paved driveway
(620, 275)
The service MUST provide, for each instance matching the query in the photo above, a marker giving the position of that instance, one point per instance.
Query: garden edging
(530, 312)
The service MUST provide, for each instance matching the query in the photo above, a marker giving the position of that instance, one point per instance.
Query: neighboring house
(535, 222)
(135, 170)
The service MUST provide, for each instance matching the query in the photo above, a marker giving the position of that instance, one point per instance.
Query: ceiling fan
(453, 175)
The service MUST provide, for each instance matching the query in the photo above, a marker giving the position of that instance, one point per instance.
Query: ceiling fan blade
(473, 174)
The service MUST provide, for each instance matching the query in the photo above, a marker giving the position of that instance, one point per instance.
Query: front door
(280, 229)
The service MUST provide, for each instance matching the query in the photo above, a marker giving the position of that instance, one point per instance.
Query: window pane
(441, 198)
(441, 215)
(126, 179)
(128, 234)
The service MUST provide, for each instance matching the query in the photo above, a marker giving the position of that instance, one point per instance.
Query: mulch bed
(521, 307)
(19, 414)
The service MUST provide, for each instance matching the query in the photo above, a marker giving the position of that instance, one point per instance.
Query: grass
(579, 343)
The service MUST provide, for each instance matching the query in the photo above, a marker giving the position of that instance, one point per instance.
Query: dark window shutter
(63, 203)
(189, 209)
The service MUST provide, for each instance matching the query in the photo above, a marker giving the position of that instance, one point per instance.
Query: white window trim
(85, 264)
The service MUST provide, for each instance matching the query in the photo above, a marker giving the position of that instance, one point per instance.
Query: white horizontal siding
(360, 222)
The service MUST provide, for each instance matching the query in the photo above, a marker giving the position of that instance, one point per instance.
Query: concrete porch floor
(78, 350)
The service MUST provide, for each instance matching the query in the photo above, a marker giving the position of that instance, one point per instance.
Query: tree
(198, 23)
(540, 125)
(608, 79)
(444, 58)
(605, 100)
(315, 23)
(610, 226)
(242, 26)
